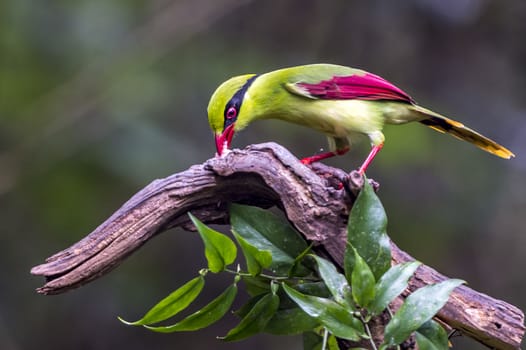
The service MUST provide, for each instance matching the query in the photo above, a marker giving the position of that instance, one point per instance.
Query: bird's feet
(355, 181)
(370, 157)
(325, 155)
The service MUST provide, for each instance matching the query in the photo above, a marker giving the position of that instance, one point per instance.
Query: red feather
(364, 87)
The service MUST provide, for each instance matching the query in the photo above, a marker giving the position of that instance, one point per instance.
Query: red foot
(322, 156)
(370, 158)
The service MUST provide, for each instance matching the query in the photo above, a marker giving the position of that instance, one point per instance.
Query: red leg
(325, 155)
(370, 157)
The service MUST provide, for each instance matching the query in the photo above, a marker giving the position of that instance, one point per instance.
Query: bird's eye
(231, 113)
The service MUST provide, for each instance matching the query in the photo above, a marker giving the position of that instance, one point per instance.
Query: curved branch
(262, 175)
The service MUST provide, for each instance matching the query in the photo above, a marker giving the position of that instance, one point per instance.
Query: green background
(98, 98)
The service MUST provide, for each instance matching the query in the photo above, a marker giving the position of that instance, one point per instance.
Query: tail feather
(449, 126)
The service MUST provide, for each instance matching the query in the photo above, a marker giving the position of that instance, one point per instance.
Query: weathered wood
(263, 175)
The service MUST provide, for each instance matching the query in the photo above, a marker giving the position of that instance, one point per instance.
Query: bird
(338, 101)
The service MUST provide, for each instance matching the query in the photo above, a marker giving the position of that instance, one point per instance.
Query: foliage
(295, 292)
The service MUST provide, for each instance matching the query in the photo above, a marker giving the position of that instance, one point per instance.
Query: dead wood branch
(262, 175)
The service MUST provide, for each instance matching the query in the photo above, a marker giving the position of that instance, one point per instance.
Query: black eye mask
(232, 107)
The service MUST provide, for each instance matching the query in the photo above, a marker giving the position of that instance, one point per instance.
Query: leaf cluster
(296, 292)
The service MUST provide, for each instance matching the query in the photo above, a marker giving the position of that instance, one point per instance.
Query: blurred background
(98, 98)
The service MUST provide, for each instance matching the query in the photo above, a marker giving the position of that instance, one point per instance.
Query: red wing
(363, 87)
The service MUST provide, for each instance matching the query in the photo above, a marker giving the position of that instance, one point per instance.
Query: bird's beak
(224, 139)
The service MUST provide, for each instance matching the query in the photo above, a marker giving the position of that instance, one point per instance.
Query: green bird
(339, 101)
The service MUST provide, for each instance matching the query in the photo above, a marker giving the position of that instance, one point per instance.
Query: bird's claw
(355, 181)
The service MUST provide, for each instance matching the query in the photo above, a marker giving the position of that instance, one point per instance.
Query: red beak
(224, 139)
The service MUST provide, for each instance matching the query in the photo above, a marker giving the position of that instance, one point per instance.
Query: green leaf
(220, 251)
(362, 282)
(418, 308)
(249, 305)
(336, 318)
(259, 286)
(318, 289)
(332, 343)
(256, 259)
(366, 232)
(256, 285)
(312, 341)
(266, 231)
(299, 265)
(335, 281)
(391, 285)
(290, 321)
(432, 336)
(204, 317)
(256, 319)
(172, 304)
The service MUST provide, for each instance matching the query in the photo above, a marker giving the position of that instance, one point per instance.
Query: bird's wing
(365, 86)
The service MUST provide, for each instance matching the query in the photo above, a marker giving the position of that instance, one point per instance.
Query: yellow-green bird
(338, 101)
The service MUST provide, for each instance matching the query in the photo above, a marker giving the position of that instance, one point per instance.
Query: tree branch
(262, 175)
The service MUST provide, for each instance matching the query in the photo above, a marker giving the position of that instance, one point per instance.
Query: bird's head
(226, 114)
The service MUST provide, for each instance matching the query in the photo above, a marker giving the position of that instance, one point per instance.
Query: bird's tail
(452, 127)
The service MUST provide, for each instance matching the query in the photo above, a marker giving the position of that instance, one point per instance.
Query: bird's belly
(340, 118)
